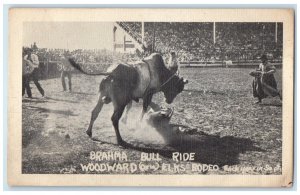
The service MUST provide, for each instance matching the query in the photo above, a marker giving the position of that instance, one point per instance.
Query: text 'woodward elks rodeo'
(107, 162)
(119, 162)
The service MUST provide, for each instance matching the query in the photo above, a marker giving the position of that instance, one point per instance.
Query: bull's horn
(171, 113)
(163, 112)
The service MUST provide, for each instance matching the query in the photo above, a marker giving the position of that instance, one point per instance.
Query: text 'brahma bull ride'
(124, 83)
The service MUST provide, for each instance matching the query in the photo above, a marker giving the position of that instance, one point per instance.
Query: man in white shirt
(66, 71)
(33, 60)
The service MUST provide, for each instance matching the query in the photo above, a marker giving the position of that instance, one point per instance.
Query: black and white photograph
(154, 98)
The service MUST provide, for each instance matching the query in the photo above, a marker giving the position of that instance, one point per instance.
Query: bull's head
(173, 88)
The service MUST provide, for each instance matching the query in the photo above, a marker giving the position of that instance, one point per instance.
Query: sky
(69, 35)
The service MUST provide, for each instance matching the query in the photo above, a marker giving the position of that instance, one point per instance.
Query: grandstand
(196, 44)
(209, 42)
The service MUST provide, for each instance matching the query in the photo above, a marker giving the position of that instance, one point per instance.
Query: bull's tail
(78, 67)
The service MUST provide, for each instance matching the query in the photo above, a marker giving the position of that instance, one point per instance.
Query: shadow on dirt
(61, 100)
(166, 151)
(213, 149)
(34, 100)
(47, 110)
(208, 149)
(82, 93)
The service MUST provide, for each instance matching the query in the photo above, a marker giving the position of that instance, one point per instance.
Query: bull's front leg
(94, 116)
(146, 101)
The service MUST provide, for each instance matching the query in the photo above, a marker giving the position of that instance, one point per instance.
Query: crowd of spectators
(248, 40)
(186, 39)
(91, 60)
(83, 56)
(195, 41)
(191, 41)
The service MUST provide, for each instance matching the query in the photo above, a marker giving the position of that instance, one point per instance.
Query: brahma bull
(125, 83)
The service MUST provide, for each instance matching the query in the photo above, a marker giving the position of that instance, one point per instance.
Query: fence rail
(50, 69)
(229, 63)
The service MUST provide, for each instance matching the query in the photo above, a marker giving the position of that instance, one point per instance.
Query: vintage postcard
(151, 97)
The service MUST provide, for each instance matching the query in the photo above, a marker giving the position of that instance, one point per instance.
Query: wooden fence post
(47, 68)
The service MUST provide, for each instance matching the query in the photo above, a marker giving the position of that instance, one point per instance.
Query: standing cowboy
(264, 84)
(33, 61)
(66, 71)
(26, 71)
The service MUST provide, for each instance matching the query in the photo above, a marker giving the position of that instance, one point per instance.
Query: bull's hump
(111, 68)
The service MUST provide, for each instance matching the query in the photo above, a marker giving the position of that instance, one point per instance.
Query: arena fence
(228, 63)
(50, 69)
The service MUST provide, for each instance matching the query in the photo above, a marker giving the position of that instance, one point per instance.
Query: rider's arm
(271, 70)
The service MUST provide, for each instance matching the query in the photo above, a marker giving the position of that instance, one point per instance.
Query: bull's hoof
(123, 144)
(89, 133)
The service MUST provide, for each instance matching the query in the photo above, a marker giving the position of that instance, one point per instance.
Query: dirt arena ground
(217, 107)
